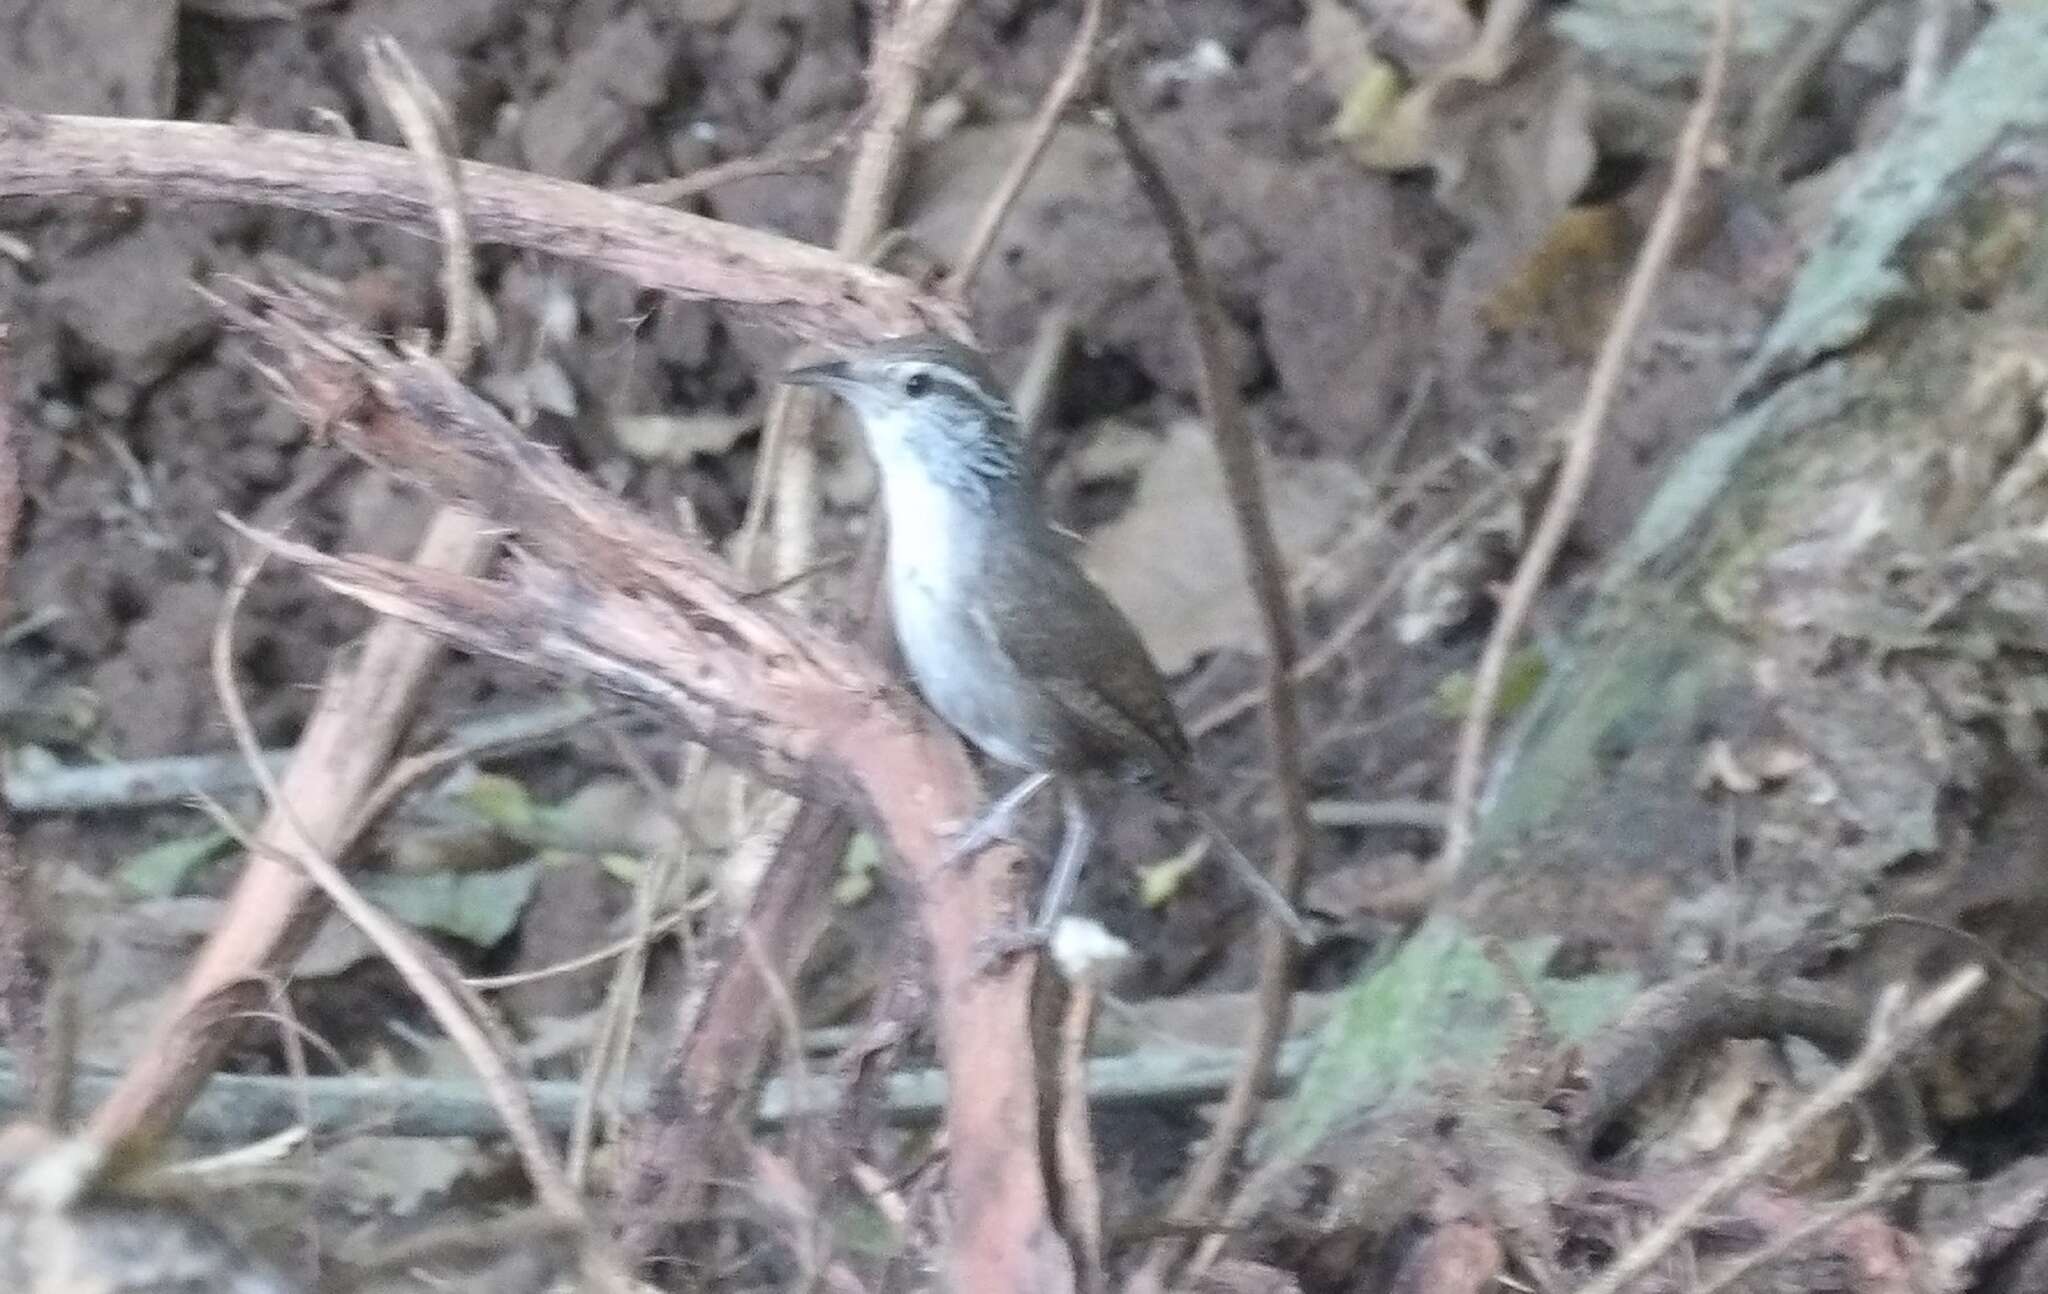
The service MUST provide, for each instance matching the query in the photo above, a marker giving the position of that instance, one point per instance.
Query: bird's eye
(917, 384)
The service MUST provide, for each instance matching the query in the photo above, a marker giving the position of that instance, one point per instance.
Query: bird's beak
(829, 374)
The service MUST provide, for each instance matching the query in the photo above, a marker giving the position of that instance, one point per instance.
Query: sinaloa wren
(1003, 635)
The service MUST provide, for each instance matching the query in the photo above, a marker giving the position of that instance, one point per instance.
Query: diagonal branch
(596, 591)
(1582, 437)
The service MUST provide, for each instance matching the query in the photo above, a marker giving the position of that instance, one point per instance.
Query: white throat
(935, 532)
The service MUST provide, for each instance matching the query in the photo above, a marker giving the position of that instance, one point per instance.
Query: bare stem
(430, 132)
(1582, 447)
(1074, 76)
(1243, 482)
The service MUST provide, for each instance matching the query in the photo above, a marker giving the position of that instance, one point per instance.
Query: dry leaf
(1567, 278)
(1172, 560)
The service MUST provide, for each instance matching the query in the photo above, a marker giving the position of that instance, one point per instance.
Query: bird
(1003, 634)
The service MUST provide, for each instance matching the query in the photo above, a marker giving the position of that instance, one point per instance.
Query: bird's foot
(995, 949)
(963, 840)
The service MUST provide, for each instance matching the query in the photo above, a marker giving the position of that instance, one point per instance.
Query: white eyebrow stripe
(968, 383)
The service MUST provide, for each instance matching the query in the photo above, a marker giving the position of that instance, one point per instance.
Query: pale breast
(934, 556)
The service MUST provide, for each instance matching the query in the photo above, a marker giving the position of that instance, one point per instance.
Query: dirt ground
(1402, 352)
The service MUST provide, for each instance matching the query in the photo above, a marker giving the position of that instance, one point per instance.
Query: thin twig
(598, 956)
(1266, 570)
(782, 162)
(1073, 1139)
(902, 59)
(1977, 944)
(1341, 555)
(1044, 367)
(1581, 448)
(456, 1017)
(1074, 76)
(1791, 83)
(1894, 1030)
(1387, 454)
(488, 1239)
(429, 131)
(1360, 617)
(293, 1036)
(1927, 52)
(1875, 1190)
(604, 1069)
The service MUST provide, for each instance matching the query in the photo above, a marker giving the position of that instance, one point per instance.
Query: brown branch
(1581, 447)
(689, 1137)
(896, 77)
(803, 289)
(1666, 1024)
(602, 593)
(1267, 572)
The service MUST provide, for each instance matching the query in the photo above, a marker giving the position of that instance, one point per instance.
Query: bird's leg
(1077, 838)
(994, 821)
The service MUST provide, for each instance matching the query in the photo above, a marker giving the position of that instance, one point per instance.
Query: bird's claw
(963, 840)
(994, 949)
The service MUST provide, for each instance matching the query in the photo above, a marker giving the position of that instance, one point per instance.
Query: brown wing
(1129, 728)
